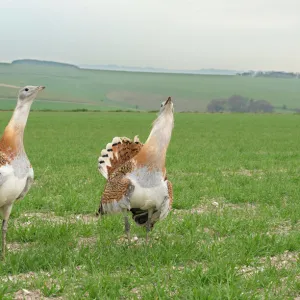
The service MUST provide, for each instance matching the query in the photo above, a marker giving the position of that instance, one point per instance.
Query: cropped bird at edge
(16, 173)
(136, 174)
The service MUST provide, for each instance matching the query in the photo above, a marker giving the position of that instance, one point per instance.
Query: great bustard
(136, 174)
(16, 173)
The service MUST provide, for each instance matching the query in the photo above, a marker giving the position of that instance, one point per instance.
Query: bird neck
(154, 150)
(20, 115)
(12, 139)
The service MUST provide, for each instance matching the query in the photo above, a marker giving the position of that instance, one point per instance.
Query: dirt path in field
(58, 101)
(9, 86)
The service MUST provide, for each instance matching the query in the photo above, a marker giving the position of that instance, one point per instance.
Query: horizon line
(84, 66)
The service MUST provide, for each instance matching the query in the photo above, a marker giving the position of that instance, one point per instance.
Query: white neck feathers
(21, 113)
(161, 131)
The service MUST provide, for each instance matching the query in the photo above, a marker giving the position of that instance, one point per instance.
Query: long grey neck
(21, 113)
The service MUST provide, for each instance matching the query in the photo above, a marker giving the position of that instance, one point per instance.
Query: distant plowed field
(71, 88)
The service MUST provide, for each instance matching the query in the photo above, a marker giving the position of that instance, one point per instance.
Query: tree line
(237, 103)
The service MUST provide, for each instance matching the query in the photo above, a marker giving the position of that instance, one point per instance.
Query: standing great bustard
(136, 174)
(16, 173)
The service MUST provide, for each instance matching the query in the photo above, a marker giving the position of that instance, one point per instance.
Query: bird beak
(40, 88)
(168, 101)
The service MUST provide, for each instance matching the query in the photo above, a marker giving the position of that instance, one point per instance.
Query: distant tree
(237, 103)
(284, 107)
(261, 106)
(251, 106)
(216, 105)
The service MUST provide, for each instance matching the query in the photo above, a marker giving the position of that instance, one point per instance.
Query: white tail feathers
(105, 156)
(104, 160)
(102, 167)
(116, 140)
(125, 139)
(109, 150)
(116, 153)
(136, 139)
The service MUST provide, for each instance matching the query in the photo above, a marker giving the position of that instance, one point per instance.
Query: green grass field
(233, 233)
(108, 90)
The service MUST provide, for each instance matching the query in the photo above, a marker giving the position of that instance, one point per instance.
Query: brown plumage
(136, 174)
(117, 185)
(122, 153)
(9, 144)
(4, 158)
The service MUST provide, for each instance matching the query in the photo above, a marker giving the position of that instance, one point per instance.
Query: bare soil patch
(28, 295)
(24, 276)
(244, 172)
(15, 247)
(9, 86)
(32, 295)
(284, 228)
(52, 218)
(215, 205)
(285, 260)
(152, 101)
(142, 100)
(188, 174)
(87, 241)
(134, 241)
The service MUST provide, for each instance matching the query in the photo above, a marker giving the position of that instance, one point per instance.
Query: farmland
(233, 233)
(72, 88)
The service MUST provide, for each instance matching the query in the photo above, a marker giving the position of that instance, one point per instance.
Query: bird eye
(26, 90)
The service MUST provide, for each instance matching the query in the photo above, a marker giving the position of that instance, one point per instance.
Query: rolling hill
(69, 87)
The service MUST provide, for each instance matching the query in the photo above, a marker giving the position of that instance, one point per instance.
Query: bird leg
(148, 224)
(127, 227)
(127, 224)
(4, 230)
(6, 210)
(127, 196)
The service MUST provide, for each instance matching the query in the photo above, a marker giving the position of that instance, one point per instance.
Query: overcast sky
(174, 34)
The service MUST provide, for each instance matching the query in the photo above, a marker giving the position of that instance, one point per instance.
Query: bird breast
(13, 179)
(150, 189)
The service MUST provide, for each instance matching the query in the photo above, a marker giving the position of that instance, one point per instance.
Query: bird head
(166, 107)
(29, 92)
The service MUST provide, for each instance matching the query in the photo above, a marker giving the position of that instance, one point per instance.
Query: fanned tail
(116, 153)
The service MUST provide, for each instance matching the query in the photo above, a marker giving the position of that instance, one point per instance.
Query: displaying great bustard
(16, 173)
(136, 174)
